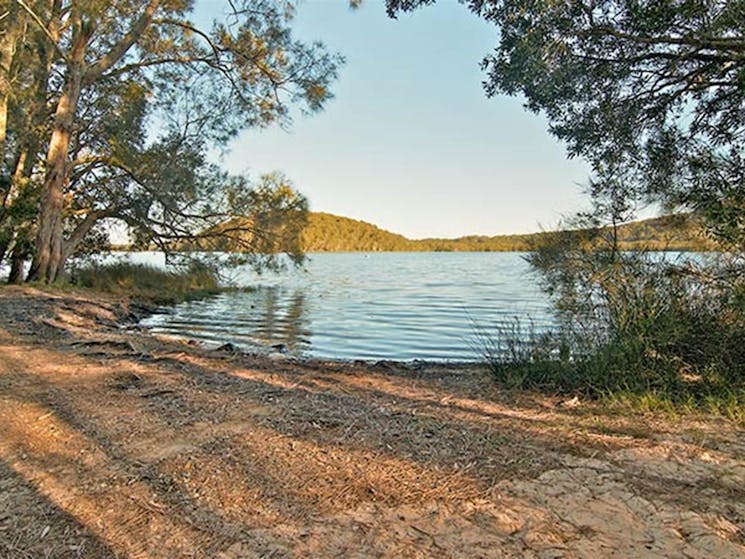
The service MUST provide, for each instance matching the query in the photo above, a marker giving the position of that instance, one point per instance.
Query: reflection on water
(279, 323)
(261, 319)
(368, 306)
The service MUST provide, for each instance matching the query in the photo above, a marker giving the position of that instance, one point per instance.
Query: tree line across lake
(331, 233)
(325, 232)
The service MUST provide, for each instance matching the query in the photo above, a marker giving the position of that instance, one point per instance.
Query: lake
(399, 306)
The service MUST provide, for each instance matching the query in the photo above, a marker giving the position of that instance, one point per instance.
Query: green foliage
(519, 357)
(330, 233)
(632, 326)
(157, 94)
(148, 283)
(649, 93)
(268, 218)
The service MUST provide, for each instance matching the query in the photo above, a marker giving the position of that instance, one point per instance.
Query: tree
(658, 87)
(8, 42)
(651, 93)
(192, 87)
(25, 73)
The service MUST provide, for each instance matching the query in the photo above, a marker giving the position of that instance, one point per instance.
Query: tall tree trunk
(48, 250)
(8, 41)
(34, 107)
(17, 258)
(5, 239)
(48, 253)
(28, 138)
(49, 236)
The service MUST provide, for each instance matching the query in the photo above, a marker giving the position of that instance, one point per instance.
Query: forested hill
(331, 233)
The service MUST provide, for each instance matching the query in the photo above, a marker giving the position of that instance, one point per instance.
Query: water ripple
(377, 306)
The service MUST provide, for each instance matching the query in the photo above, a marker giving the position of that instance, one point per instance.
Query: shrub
(632, 323)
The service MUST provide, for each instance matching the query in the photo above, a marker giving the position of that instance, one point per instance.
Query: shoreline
(118, 443)
(146, 310)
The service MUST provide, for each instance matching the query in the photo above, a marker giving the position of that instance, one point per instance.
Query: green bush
(632, 324)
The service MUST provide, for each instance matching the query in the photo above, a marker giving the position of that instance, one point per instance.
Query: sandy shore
(115, 443)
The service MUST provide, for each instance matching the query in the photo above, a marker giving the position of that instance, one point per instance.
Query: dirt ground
(114, 443)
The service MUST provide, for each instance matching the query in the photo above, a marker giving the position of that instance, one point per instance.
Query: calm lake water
(368, 306)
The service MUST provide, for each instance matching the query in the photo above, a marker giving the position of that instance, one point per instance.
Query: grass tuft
(149, 283)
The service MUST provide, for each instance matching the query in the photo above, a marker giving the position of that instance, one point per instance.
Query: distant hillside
(670, 232)
(331, 233)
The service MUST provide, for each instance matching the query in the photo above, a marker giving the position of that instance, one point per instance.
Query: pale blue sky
(410, 142)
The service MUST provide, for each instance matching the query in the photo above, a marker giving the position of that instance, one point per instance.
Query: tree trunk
(4, 245)
(3, 116)
(8, 43)
(11, 192)
(34, 116)
(49, 236)
(17, 258)
(49, 257)
(77, 236)
(48, 250)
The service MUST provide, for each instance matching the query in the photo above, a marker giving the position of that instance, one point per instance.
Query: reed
(633, 329)
(148, 283)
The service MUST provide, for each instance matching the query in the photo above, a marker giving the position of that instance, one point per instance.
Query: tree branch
(716, 44)
(120, 48)
(40, 24)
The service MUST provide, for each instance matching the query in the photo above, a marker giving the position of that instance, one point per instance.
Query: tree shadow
(193, 450)
(31, 525)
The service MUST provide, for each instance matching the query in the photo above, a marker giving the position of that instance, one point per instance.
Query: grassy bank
(614, 379)
(148, 283)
